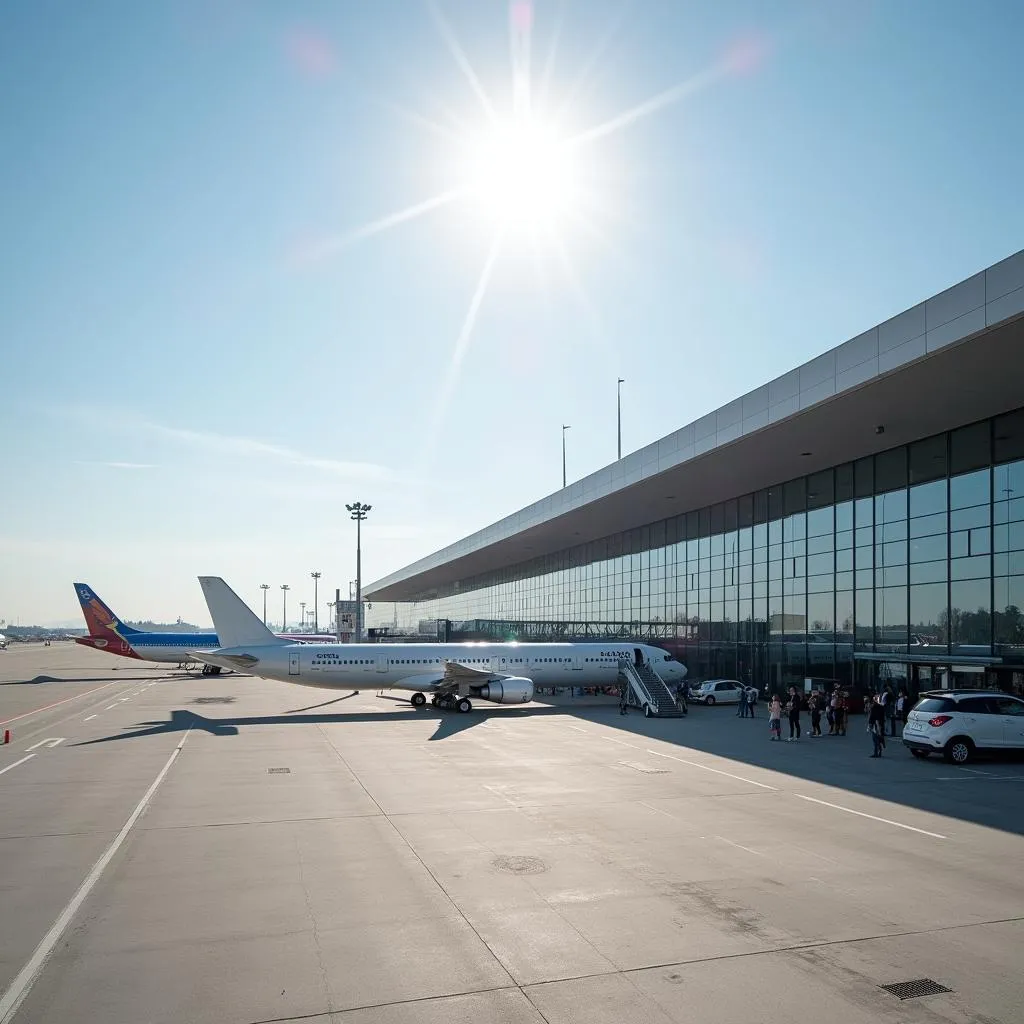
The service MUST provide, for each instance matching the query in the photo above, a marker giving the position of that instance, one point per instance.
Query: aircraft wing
(456, 672)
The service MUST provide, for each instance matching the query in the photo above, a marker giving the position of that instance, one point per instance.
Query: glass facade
(906, 566)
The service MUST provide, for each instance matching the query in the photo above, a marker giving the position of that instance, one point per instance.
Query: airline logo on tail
(102, 622)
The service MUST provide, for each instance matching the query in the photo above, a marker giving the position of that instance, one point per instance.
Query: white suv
(717, 691)
(957, 723)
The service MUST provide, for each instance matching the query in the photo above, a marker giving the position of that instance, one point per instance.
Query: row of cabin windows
(437, 661)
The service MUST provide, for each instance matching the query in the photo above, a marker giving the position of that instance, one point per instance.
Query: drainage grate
(915, 989)
(279, 771)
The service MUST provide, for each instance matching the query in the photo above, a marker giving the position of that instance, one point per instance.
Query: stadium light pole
(264, 587)
(284, 615)
(622, 380)
(358, 512)
(564, 429)
(316, 614)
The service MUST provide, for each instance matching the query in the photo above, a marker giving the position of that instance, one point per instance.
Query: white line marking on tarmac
(739, 847)
(22, 984)
(873, 817)
(623, 743)
(16, 763)
(577, 728)
(694, 764)
(90, 718)
(50, 741)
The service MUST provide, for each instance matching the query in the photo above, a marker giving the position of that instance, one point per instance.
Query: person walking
(831, 710)
(752, 700)
(775, 717)
(741, 711)
(814, 704)
(876, 725)
(794, 714)
(903, 708)
(891, 711)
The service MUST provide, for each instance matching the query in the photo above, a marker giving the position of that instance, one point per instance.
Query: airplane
(108, 633)
(502, 673)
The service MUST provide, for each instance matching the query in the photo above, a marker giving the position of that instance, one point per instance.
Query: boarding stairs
(645, 689)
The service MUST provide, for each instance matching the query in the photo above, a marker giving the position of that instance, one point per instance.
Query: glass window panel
(894, 554)
(795, 527)
(844, 581)
(844, 482)
(970, 489)
(844, 560)
(760, 535)
(979, 542)
(844, 516)
(1009, 564)
(928, 525)
(820, 522)
(928, 549)
(895, 576)
(746, 535)
(844, 611)
(820, 563)
(864, 512)
(929, 617)
(865, 617)
(891, 470)
(970, 447)
(893, 531)
(865, 578)
(1008, 437)
(928, 459)
(775, 532)
(820, 490)
(970, 568)
(844, 539)
(969, 518)
(820, 613)
(819, 584)
(891, 617)
(926, 499)
(1009, 612)
(864, 477)
(816, 545)
(865, 536)
(745, 510)
(1009, 481)
(891, 507)
(970, 613)
(794, 496)
(959, 544)
(795, 610)
(1009, 537)
(928, 572)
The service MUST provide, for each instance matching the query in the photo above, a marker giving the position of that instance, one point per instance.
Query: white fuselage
(421, 667)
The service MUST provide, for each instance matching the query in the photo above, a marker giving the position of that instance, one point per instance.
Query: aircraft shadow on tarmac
(448, 723)
(989, 793)
(55, 679)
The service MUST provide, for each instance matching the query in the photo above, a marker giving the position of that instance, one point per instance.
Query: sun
(521, 174)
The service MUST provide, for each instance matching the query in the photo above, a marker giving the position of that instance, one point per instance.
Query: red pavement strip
(56, 703)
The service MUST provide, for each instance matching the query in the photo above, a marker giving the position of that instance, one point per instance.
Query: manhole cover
(520, 865)
(915, 989)
(279, 771)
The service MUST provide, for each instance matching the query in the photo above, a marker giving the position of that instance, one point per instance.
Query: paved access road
(235, 850)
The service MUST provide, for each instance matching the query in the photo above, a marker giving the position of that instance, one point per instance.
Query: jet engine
(513, 690)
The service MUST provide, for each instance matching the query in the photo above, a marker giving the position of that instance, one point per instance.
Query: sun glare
(521, 173)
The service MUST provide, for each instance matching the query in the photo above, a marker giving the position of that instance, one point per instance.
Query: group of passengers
(885, 706)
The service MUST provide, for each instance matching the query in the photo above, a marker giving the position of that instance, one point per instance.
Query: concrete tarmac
(228, 849)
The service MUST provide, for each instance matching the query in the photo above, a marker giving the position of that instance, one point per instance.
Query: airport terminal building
(857, 519)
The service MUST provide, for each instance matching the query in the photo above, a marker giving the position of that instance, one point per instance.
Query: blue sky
(204, 358)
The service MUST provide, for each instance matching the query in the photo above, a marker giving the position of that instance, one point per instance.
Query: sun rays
(529, 181)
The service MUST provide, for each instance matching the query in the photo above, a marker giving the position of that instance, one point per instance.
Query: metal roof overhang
(978, 377)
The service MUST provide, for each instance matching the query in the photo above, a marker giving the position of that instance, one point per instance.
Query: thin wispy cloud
(213, 443)
(116, 465)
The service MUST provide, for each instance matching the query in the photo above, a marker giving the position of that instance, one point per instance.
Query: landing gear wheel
(647, 711)
(418, 700)
(710, 701)
(922, 754)
(433, 702)
(959, 750)
(464, 706)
